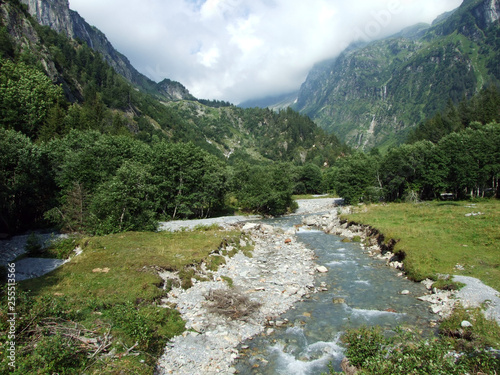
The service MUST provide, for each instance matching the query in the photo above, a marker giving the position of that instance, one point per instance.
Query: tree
(126, 202)
(311, 177)
(264, 189)
(26, 96)
(25, 188)
(191, 182)
(353, 176)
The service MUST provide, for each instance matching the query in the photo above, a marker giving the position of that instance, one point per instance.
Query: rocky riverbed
(280, 271)
(278, 274)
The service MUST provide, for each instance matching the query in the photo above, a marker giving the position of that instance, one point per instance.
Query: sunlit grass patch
(438, 237)
(111, 292)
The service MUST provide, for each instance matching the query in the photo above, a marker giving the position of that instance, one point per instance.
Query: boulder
(310, 221)
(267, 228)
(249, 226)
(322, 269)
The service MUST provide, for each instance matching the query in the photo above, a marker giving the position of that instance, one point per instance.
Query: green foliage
(26, 97)
(126, 202)
(309, 180)
(33, 245)
(190, 182)
(61, 248)
(482, 333)
(264, 190)
(352, 177)
(25, 184)
(145, 325)
(405, 352)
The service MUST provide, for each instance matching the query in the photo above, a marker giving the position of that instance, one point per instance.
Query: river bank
(474, 294)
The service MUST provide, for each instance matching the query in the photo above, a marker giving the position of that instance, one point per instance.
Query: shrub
(33, 245)
(373, 353)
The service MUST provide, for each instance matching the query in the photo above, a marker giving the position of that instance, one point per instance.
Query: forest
(85, 151)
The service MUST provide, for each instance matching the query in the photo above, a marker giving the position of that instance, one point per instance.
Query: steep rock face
(487, 13)
(372, 95)
(57, 15)
(174, 90)
(27, 38)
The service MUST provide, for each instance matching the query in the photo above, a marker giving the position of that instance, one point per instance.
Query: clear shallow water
(361, 291)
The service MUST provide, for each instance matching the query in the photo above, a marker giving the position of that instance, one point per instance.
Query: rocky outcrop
(174, 90)
(487, 12)
(58, 16)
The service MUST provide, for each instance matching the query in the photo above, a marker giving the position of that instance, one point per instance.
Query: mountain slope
(98, 98)
(57, 15)
(373, 95)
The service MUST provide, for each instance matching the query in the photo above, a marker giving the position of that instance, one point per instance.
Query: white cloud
(240, 49)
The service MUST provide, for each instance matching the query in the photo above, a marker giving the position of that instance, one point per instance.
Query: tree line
(99, 183)
(465, 164)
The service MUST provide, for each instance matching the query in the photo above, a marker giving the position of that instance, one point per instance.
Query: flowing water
(361, 291)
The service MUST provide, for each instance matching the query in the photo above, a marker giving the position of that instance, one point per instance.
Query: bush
(406, 353)
(33, 245)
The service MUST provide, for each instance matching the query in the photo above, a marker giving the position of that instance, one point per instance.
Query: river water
(361, 291)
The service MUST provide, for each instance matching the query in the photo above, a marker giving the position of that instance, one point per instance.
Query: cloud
(240, 49)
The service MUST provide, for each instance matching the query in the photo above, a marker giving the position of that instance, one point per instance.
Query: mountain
(273, 102)
(57, 15)
(375, 94)
(97, 97)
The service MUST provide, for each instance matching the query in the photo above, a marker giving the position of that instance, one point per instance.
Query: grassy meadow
(438, 237)
(105, 301)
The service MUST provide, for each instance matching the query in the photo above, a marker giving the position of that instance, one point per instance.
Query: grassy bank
(438, 237)
(98, 313)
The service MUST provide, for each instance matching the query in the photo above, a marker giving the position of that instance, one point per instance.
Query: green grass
(436, 237)
(129, 258)
(112, 287)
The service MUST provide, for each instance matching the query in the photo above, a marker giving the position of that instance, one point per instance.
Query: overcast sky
(236, 50)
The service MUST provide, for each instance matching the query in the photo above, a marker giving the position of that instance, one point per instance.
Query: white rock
(466, 324)
(428, 283)
(322, 269)
(436, 309)
(249, 226)
(310, 221)
(267, 228)
(405, 292)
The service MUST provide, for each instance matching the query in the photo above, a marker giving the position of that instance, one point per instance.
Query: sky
(236, 50)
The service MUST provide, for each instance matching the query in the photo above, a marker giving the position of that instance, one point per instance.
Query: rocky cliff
(58, 16)
(372, 95)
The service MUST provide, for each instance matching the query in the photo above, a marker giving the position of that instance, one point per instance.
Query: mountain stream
(360, 291)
